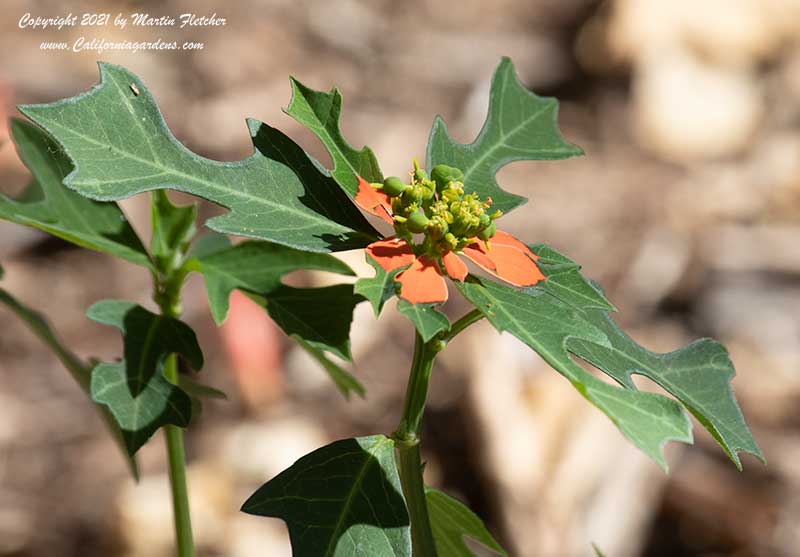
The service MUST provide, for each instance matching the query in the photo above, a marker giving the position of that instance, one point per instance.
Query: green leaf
(159, 403)
(320, 112)
(699, 375)
(320, 316)
(451, 520)
(343, 499)
(380, 288)
(255, 267)
(173, 229)
(546, 324)
(148, 338)
(120, 145)
(565, 282)
(52, 208)
(556, 322)
(519, 126)
(344, 380)
(79, 370)
(425, 318)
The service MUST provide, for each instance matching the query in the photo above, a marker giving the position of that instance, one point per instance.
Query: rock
(686, 109)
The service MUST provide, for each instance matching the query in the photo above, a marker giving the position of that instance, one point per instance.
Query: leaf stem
(472, 317)
(407, 441)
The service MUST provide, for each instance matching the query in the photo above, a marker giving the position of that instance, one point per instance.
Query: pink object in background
(252, 345)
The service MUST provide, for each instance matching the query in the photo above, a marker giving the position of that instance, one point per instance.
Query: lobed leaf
(378, 289)
(519, 126)
(320, 112)
(320, 316)
(147, 339)
(343, 499)
(425, 318)
(120, 146)
(157, 404)
(558, 322)
(48, 206)
(255, 267)
(451, 521)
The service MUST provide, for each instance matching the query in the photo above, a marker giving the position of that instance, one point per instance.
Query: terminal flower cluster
(434, 222)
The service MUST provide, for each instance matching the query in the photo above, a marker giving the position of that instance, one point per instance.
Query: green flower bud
(484, 220)
(394, 186)
(488, 232)
(450, 241)
(443, 175)
(417, 221)
(420, 175)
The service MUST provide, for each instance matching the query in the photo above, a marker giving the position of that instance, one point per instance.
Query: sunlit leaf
(320, 112)
(562, 322)
(519, 126)
(120, 146)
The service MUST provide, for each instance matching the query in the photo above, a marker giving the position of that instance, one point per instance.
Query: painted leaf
(159, 403)
(120, 146)
(173, 229)
(320, 316)
(343, 499)
(52, 208)
(255, 267)
(451, 521)
(425, 318)
(380, 288)
(343, 379)
(557, 324)
(519, 126)
(320, 112)
(79, 370)
(147, 339)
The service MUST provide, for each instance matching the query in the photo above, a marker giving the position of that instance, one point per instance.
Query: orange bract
(422, 283)
(373, 201)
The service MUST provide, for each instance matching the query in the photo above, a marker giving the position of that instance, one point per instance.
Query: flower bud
(488, 232)
(393, 186)
(417, 221)
(443, 175)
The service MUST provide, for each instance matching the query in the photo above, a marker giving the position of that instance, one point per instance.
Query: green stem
(167, 295)
(407, 440)
(177, 474)
(472, 317)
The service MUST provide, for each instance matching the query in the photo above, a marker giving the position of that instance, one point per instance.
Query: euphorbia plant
(360, 496)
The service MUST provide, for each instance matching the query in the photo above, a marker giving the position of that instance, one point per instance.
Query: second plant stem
(168, 297)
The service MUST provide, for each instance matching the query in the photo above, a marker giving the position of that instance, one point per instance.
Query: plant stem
(407, 443)
(167, 294)
(177, 474)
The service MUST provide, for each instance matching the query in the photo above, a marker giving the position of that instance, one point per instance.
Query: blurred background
(686, 208)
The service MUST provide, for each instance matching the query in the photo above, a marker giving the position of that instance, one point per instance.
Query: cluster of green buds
(438, 208)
